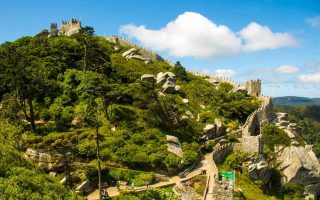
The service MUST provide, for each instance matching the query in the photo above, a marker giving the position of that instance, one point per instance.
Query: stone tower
(53, 26)
(253, 87)
(53, 30)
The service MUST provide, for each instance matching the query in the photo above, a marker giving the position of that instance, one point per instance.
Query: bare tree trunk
(31, 119)
(98, 157)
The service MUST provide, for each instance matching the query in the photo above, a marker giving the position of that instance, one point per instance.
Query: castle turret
(253, 87)
(53, 30)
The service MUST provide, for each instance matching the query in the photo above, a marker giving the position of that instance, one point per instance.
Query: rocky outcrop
(220, 128)
(174, 145)
(133, 54)
(214, 130)
(85, 188)
(292, 129)
(168, 87)
(299, 164)
(169, 82)
(209, 129)
(46, 161)
(259, 169)
(148, 78)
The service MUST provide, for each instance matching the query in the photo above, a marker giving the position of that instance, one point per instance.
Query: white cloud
(257, 37)
(228, 73)
(313, 64)
(287, 69)
(311, 78)
(313, 21)
(192, 34)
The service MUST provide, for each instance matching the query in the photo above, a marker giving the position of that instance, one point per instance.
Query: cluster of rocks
(133, 54)
(298, 162)
(282, 120)
(46, 161)
(292, 129)
(213, 130)
(167, 80)
(174, 145)
(259, 169)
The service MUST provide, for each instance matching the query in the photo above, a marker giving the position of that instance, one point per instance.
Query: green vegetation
(272, 136)
(161, 194)
(58, 91)
(295, 101)
(248, 189)
(20, 179)
(199, 184)
(308, 118)
(139, 178)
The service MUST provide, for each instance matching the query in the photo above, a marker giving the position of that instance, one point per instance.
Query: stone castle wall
(213, 78)
(251, 140)
(221, 152)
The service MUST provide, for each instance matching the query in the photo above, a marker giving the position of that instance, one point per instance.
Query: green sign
(228, 175)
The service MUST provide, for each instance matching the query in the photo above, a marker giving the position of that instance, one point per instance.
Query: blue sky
(275, 40)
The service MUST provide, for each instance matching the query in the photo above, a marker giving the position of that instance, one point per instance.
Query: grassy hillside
(60, 89)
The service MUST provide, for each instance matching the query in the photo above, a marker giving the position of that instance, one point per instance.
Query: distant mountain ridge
(295, 101)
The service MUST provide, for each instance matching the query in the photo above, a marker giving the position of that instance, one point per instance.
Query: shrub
(272, 136)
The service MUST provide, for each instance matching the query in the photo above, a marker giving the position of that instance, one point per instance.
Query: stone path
(206, 164)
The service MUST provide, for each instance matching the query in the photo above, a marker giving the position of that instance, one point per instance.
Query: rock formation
(168, 87)
(299, 164)
(214, 130)
(174, 145)
(148, 78)
(169, 82)
(133, 54)
(259, 169)
(46, 161)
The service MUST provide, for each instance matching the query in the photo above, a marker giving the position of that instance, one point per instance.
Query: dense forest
(70, 92)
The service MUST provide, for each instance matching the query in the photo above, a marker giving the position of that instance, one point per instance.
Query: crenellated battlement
(66, 28)
(253, 87)
(70, 28)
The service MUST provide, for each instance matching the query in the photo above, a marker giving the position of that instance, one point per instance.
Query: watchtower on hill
(253, 87)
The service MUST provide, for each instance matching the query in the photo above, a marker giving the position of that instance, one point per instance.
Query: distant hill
(295, 101)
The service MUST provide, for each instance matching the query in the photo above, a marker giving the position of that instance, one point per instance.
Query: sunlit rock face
(299, 164)
(46, 161)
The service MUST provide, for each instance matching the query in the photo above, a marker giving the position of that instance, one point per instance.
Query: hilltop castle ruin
(67, 28)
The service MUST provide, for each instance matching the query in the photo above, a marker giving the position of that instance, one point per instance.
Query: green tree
(272, 136)
(180, 72)
(89, 30)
